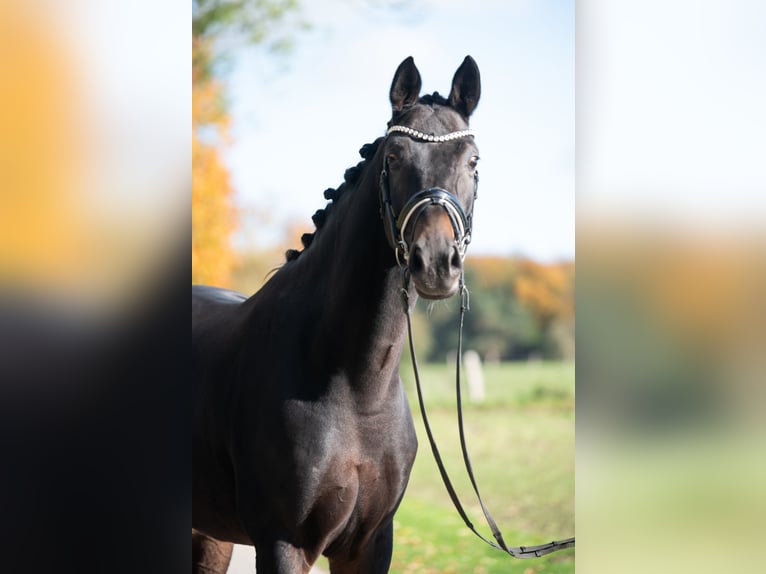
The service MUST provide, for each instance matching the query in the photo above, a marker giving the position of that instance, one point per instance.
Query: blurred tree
(499, 325)
(518, 308)
(218, 26)
(249, 21)
(42, 157)
(213, 215)
(255, 266)
(547, 290)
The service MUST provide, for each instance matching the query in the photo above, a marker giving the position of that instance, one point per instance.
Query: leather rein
(462, 228)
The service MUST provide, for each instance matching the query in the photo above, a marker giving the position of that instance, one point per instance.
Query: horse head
(429, 178)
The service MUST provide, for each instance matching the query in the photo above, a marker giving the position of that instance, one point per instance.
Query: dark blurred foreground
(94, 413)
(94, 268)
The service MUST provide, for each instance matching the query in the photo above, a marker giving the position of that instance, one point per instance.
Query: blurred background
(671, 251)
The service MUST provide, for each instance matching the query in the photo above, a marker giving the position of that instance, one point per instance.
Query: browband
(430, 137)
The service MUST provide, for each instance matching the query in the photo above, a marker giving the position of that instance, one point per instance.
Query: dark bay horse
(303, 440)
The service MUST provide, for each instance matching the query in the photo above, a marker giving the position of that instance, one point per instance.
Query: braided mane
(350, 178)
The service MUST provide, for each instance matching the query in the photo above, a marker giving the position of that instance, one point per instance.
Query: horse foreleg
(376, 557)
(210, 556)
(280, 557)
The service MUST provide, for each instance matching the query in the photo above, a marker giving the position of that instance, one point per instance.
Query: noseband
(397, 225)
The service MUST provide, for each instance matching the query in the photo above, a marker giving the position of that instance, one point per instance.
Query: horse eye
(392, 157)
(473, 161)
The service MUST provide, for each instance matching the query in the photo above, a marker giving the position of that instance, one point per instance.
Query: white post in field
(474, 376)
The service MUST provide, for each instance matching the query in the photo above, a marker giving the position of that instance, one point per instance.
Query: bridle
(461, 225)
(397, 224)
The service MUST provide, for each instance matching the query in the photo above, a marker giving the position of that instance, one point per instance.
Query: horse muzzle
(438, 229)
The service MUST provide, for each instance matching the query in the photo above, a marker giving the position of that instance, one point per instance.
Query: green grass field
(521, 442)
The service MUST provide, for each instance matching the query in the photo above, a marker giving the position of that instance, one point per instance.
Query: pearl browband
(429, 137)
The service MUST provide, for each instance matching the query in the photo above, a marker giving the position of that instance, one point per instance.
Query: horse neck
(356, 287)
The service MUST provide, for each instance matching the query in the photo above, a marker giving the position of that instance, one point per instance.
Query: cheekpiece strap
(430, 137)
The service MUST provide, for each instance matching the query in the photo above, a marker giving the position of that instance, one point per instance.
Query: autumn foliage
(40, 151)
(239, 24)
(521, 307)
(213, 212)
(546, 289)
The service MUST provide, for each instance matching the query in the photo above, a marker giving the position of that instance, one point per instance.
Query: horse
(303, 440)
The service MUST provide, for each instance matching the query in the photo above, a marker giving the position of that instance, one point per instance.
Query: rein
(461, 225)
(516, 552)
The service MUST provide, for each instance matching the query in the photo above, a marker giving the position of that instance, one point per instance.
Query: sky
(670, 112)
(299, 119)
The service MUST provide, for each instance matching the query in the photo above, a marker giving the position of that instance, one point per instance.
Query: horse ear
(405, 88)
(466, 87)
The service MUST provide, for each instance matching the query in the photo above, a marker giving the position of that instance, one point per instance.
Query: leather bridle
(397, 224)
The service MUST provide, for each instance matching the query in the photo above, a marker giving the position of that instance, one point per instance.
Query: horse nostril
(456, 261)
(416, 261)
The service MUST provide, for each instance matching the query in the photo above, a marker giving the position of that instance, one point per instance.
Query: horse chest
(353, 471)
(353, 453)
(356, 494)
